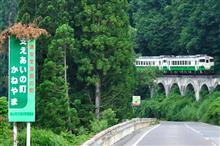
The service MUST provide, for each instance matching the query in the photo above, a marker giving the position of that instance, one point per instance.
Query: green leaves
(54, 88)
(176, 27)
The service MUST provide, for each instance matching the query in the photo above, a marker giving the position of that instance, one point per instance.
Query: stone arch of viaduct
(196, 81)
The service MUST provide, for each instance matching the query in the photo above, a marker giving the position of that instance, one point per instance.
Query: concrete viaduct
(184, 82)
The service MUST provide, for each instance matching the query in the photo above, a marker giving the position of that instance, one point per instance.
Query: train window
(202, 60)
(137, 62)
(207, 61)
(159, 63)
(153, 63)
(189, 62)
(164, 61)
(185, 62)
(211, 60)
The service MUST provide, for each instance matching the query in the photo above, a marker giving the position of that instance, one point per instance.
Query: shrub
(75, 140)
(188, 113)
(149, 109)
(5, 131)
(41, 137)
(212, 115)
(110, 116)
(98, 125)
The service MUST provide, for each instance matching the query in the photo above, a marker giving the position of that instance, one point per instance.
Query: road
(175, 134)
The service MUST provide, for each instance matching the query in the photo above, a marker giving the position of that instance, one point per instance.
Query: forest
(99, 41)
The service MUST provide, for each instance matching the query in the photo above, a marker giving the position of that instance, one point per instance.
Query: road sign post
(21, 89)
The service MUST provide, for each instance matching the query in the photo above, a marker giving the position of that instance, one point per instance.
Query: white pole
(28, 142)
(15, 134)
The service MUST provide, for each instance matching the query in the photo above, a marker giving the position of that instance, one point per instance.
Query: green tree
(54, 107)
(105, 54)
(8, 12)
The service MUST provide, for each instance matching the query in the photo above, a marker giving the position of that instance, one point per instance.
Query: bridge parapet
(115, 133)
(183, 81)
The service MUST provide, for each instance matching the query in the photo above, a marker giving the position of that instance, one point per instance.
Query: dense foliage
(179, 108)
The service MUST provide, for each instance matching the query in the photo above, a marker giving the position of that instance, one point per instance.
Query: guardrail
(115, 133)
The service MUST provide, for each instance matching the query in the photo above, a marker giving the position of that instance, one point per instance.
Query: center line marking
(147, 132)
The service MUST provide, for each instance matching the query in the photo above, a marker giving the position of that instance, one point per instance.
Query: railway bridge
(185, 82)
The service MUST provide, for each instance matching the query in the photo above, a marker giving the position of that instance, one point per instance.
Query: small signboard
(136, 100)
(21, 79)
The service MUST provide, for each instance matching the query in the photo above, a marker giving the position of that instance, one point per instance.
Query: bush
(110, 116)
(98, 125)
(42, 138)
(178, 108)
(188, 113)
(206, 102)
(75, 140)
(149, 109)
(5, 131)
(212, 115)
(172, 105)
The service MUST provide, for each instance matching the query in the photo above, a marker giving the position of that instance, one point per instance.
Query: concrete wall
(115, 133)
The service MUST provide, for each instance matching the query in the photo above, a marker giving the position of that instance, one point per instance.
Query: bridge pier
(152, 90)
(197, 95)
(167, 90)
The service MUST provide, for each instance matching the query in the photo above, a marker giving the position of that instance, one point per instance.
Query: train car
(192, 64)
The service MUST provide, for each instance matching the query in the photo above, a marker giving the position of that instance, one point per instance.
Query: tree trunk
(97, 98)
(66, 83)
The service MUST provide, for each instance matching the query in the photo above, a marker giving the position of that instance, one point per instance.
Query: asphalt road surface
(175, 134)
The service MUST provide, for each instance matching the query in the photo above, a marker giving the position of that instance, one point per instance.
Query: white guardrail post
(115, 133)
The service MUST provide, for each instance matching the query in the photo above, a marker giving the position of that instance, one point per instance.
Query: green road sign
(21, 79)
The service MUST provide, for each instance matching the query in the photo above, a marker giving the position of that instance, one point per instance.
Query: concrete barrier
(115, 133)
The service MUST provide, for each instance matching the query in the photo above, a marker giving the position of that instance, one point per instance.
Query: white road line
(198, 132)
(147, 132)
(193, 129)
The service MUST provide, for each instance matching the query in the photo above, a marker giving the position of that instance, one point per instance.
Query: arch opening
(190, 91)
(175, 89)
(204, 90)
(161, 89)
(217, 88)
